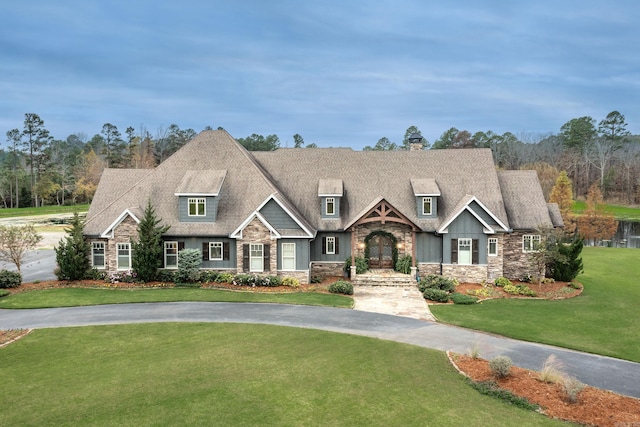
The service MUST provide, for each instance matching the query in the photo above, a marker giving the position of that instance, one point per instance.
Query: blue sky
(340, 73)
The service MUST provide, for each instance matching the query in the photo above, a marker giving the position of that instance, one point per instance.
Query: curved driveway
(603, 372)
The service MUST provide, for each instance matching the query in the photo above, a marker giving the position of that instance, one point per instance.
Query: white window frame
(529, 242)
(465, 242)
(254, 249)
(424, 201)
(127, 247)
(168, 246)
(288, 256)
(492, 241)
(330, 246)
(212, 246)
(330, 201)
(197, 202)
(94, 247)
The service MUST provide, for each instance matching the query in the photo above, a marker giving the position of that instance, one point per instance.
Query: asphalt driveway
(603, 372)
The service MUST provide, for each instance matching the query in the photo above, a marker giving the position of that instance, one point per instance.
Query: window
(97, 254)
(330, 245)
(492, 250)
(256, 260)
(124, 256)
(426, 206)
(464, 251)
(170, 254)
(530, 242)
(331, 206)
(197, 207)
(215, 251)
(288, 256)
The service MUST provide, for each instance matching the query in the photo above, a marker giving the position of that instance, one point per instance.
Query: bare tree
(15, 242)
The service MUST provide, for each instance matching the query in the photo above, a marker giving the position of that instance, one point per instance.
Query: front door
(380, 252)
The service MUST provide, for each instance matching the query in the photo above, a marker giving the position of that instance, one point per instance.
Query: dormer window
(330, 192)
(426, 192)
(197, 206)
(426, 206)
(198, 193)
(330, 206)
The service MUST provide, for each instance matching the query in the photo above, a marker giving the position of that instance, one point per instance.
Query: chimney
(415, 142)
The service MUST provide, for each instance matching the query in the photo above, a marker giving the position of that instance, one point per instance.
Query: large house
(302, 212)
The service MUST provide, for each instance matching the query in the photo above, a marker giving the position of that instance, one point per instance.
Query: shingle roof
(425, 187)
(524, 200)
(556, 216)
(201, 182)
(330, 187)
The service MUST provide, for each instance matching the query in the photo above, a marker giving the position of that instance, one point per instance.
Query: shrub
(458, 298)
(551, 371)
(188, 285)
(316, 279)
(501, 366)
(361, 265)
(572, 388)
(403, 265)
(519, 290)
(291, 282)
(208, 276)
(569, 264)
(341, 287)
(123, 277)
(474, 351)
(189, 261)
(575, 285)
(167, 276)
(502, 281)
(437, 295)
(72, 253)
(434, 281)
(490, 388)
(95, 274)
(3, 293)
(225, 278)
(278, 281)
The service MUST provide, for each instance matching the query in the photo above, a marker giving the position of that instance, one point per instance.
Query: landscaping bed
(551, 291)
(593, 407)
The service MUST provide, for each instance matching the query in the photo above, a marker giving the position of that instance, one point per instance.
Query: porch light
(361, 245)
(400, 245)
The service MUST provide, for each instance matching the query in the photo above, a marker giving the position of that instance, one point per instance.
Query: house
(302, 212)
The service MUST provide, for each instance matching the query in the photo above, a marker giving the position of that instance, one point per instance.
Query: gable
(278, 217)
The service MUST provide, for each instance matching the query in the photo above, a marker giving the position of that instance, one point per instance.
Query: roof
(524, 200)
(330, 187)
(425, 187)
(556, 216)
(201, 183)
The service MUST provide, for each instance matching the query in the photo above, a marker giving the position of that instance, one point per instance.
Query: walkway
(602, 372)
(404, 301)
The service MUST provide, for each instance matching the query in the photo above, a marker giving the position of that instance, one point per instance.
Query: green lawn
(69, 297)
(624, 213)
(235, 375)
(603, 320)
(44, 210)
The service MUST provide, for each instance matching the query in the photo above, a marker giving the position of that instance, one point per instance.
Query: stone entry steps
(383, 278)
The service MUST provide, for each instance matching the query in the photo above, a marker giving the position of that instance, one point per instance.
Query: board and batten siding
(277, 217)
(302, 253)
(343, 247)
(199, 243)
(465, 226)
(428, 248)
(211, 209)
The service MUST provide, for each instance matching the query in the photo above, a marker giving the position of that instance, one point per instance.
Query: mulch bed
(550, 291)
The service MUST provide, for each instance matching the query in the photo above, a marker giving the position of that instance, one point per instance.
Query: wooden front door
(380, 252)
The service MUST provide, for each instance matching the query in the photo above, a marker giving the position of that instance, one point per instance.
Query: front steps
(383, 278)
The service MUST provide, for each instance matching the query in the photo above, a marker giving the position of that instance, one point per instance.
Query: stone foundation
(428, 268)
(465, 273)
(327, 269)
(257, 232)
(302, 276)
(517, 263)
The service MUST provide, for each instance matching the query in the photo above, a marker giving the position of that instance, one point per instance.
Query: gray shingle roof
(330, 187)
(556, 216)
(524, 200)
(201, 182)
(425, 187)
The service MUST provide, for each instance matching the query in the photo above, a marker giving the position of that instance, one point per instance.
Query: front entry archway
(381, 249)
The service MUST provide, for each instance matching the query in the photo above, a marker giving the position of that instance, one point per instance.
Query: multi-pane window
(256, 257)
(331, 206)
(530, 242)
(124, 256)
(197, 206)
(215, 251)
(288, 256)
(426, 206)
(171, 254)
(464, 251)
(330, 245)
(492, 250)
(97, 254)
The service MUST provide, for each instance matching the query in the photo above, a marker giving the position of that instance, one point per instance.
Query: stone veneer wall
(327, 269)
(496, 263)
(302, 276)
(516, 262)
(257, 232)
(425, 268)
(465, 273)
(401, 232)
(126, 231)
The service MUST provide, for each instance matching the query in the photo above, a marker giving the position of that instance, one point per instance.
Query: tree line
(38, 169)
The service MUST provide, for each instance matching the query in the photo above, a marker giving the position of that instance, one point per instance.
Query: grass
(602, 320)
(44, 210)
(69, 297)
(624, 213)
(236, 374)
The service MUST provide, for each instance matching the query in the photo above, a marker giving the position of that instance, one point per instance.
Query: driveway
(603, 372)
(37, 265)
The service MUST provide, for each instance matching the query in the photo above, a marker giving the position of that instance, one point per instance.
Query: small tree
(562, 194)
(546, 252)
(72, 253)
(595, 224)
(147, 251)
(16, 241)
(189, 261)
(569, 264)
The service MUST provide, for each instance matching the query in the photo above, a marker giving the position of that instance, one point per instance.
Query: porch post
(353, 253)
(414, 264)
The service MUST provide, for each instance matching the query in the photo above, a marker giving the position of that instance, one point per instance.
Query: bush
(95, 274)
(463, 299)
(551, 371)
(72, 253)
(502, 281)
(316, 279)
(572, 388)
(519, 290)
(4, 293)
(189, 261)
(490, 388)
(501, 366)
(208, 276)
(404, 264)
(361, 265)
(10, 279)
(123, 277)
(437, 295)
(224, 278)
(188, 285)
(434, 281)
(341, 287)
(569, 264)
(291, 282)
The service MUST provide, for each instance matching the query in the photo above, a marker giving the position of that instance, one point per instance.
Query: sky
(340, 73)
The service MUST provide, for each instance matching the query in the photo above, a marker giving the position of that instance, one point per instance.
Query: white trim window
(123, 256)
(288, 256)
(256, 257)
(530, 242)
(330, 206)
(492, 246)
(170, 254)
(464, 251)
(426, 205)
(97, 255)
(330, 245)
(215, 251)
(197, 206)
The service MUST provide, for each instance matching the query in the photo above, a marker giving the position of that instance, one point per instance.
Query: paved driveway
(603, 372)
(37, 265)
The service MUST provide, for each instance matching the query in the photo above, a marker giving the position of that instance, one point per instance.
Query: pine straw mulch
(550, 291)
(594, 406)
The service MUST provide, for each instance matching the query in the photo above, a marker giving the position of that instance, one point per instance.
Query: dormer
(330, 192)
(426, 192)
(198, 195)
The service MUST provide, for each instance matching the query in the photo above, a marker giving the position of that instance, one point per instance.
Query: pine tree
(72, 254)
(147, 251)
(562, 194)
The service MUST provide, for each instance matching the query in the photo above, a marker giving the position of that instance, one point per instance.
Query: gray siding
(196, 243)
(211, 210)
(465, 226)
(323, 208)
(434, 207)
(344, 247)
(302, 253)
(277, 217)
(483, 214)
(429, 248)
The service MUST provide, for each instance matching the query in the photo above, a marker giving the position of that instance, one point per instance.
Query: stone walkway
(403, 301)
